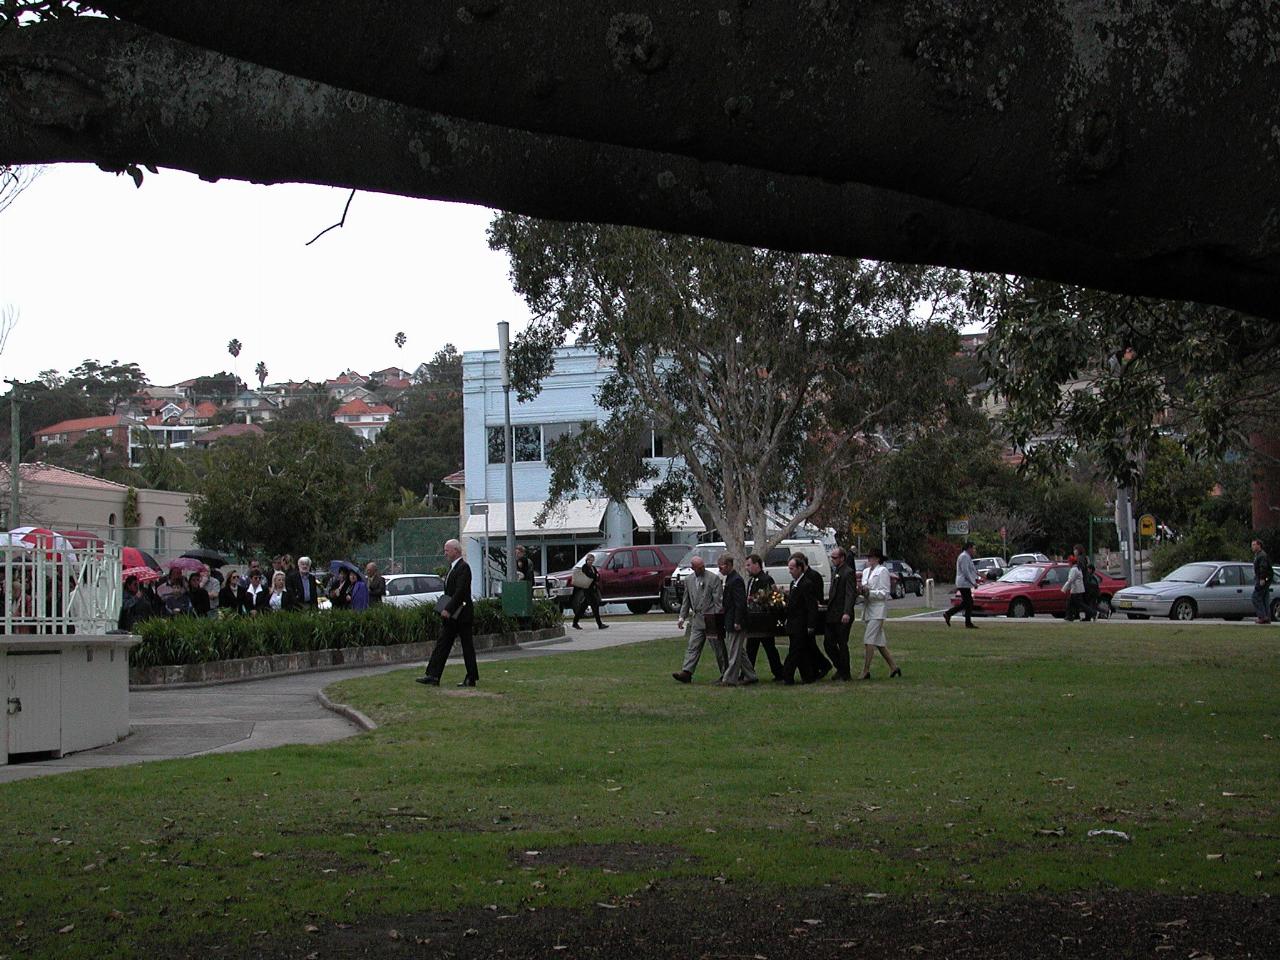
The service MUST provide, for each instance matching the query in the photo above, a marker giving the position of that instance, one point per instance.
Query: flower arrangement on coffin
(766, 611)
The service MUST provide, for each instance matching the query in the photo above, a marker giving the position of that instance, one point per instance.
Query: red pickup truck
(630, 575)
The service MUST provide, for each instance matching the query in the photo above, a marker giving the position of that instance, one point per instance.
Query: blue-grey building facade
(567, 399)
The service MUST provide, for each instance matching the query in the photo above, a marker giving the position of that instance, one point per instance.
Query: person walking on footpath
(1262, 577)
(703, 599)
(966, 580)
(759, 587)
(739, 670)
(876, 587)
(458, 613)
(1074, 589)
(839, 616)
(588, 596)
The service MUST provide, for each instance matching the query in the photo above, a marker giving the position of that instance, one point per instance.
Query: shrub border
(214, 672)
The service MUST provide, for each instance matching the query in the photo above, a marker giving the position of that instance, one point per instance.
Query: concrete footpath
(258, 714)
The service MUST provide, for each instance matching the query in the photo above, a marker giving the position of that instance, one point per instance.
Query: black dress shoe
(896, 673)
(971, 626)
(682, 676)
(603, 626)
(468, 682)
(576, 627)
(429, 681)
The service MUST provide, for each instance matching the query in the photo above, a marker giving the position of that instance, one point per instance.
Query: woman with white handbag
(586, 592)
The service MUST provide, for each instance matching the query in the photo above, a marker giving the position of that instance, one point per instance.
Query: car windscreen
(709, 552)
(1021, 575)
(1192, 573)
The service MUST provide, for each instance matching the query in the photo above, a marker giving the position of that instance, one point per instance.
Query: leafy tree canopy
(300, 488)
(761, 370)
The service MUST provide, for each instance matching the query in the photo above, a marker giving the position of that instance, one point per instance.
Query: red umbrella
(144, 574)
(187, 565)
(80, 539)
(133, 557)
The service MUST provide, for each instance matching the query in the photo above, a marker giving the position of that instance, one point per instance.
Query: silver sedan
(1212, 588)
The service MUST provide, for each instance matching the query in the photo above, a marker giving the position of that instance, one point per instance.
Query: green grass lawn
(982, 770)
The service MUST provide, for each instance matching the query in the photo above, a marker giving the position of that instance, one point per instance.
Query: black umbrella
(336, 565)
(210, 558)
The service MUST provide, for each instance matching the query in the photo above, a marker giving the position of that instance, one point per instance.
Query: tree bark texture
(1124, 144)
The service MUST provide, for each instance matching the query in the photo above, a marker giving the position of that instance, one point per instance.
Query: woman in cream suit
(876, 588)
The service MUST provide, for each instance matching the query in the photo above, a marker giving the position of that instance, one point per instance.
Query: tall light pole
(504, 355)
(15, 457)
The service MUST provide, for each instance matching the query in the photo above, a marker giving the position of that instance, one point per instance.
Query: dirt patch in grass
(706, 919)
(617, 857)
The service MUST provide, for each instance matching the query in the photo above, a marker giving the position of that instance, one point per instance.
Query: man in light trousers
(734, 601)
(702, 603)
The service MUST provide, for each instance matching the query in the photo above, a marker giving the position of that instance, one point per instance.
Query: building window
(553, 433)
(161, 540)
(527, 447)
(652, 445)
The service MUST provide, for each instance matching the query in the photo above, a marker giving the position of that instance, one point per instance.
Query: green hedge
(177, 640)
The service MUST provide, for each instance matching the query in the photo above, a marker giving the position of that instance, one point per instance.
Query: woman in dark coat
(233, 597)
(198, 595)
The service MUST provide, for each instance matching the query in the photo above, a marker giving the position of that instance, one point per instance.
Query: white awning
(571, 517)
(687, 521)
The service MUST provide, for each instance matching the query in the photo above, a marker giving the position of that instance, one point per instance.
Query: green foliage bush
(180, 640)
(1202, 542)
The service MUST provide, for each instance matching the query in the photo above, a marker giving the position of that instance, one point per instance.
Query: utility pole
(504, 349)
(15, 457)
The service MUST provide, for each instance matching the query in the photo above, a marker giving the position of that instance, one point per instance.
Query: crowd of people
(738, 616)
(256, 592)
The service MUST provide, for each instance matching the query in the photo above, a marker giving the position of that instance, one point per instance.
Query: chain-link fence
(413, 545)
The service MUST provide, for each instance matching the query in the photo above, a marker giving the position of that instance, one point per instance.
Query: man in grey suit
(740, 670)
(703, 602)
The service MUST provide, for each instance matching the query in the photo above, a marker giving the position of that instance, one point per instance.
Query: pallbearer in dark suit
(844, 593)
(458, 613)
(760, 634)
(804, 620)
(739, 670)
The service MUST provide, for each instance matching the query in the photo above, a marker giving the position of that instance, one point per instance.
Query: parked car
(775, 562)
(1032, 588)
(632, 575)
(1020, 558)
(1211, 588)
(897, 590)
(904, 579)
(990, 568)
(411, 589)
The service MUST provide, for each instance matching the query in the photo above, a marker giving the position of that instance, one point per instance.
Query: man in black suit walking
(458, 614)
(301, 592)
(761, 583)
(844, 593)
(803, 623)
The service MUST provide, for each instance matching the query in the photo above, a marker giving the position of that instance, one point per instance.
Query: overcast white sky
(167, 274)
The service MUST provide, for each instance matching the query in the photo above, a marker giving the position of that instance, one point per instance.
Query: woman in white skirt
(876, 588)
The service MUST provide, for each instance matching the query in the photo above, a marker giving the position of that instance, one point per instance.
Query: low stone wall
(255, 668)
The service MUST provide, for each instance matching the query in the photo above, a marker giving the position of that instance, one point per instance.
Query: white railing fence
(46, 590)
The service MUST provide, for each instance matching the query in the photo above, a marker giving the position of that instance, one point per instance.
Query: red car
(1032, 588)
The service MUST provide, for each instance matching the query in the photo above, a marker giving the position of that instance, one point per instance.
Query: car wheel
(1183, 609)
(1275, 609)
(1020, 607)
(919, 591)
(896, 591)
(668, 602)
(1105, 609)
(639, 606)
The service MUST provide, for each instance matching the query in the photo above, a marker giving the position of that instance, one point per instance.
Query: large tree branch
(96, 91)
(1099, 112)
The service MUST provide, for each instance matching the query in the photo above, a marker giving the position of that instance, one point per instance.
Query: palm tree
(260, 371)
(233, 348)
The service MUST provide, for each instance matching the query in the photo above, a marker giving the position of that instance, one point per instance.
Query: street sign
(1147, 525)
(958, 528)
(858, 528)
(1102, 519)
(478, 509)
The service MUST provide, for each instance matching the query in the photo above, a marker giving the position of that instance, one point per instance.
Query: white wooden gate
(33, 693)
